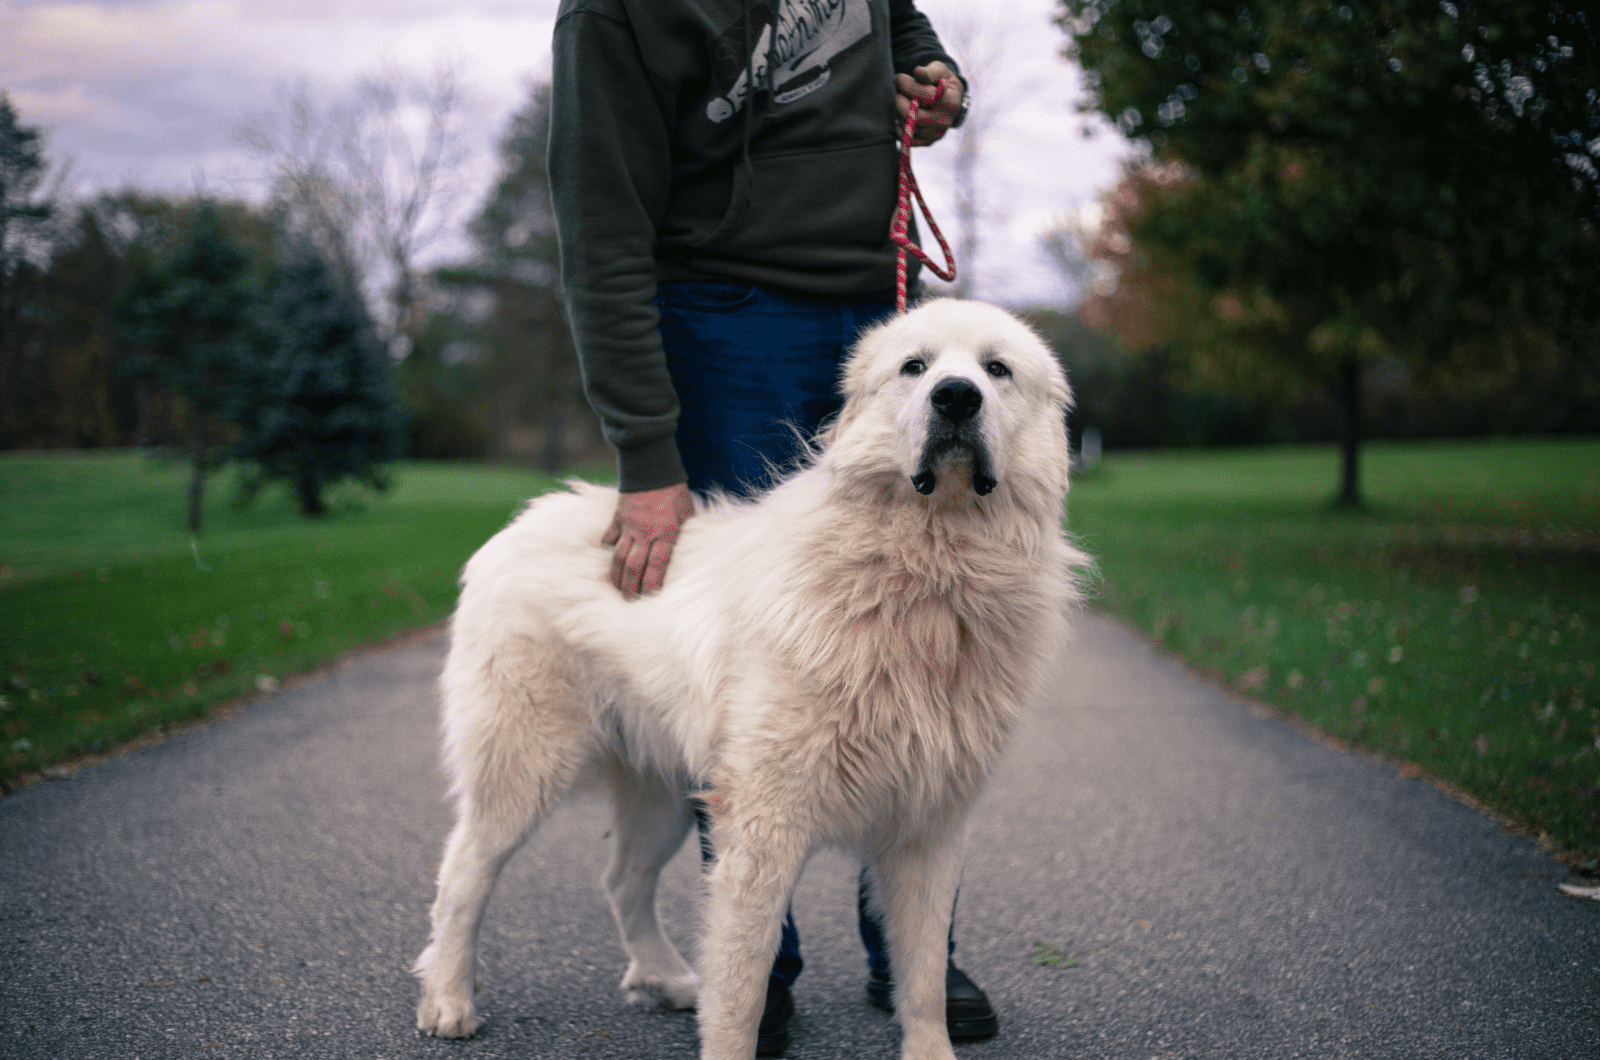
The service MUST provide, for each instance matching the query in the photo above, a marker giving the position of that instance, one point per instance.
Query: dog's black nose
(956, 400)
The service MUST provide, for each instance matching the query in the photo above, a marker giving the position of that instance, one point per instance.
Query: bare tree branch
(982, 38)
(371, 180)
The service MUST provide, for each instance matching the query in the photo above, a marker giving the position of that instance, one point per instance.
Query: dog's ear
(853, 381)
(1061, 391)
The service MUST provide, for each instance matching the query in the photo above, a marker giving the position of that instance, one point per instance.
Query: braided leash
(902, 214)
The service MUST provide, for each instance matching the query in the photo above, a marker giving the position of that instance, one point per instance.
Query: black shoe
(967, 1012)
(772, 1037)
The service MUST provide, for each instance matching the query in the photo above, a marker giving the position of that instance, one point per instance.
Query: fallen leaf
(203, 979)
(1254, 677)
(1144, 924)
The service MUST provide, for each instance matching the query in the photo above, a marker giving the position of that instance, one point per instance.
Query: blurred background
(1218, 214)
(307, 251)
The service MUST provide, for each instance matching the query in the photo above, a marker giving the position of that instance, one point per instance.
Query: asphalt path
(1227, 887)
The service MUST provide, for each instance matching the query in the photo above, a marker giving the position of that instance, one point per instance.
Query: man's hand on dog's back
(644, 529)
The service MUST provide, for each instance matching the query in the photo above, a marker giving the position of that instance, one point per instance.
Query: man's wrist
(650, 466)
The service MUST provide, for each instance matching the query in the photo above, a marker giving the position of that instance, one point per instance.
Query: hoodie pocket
(805, 209)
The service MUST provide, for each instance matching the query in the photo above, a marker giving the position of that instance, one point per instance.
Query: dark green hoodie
(665, 166)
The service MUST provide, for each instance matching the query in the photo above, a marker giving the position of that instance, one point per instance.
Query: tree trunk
(966, 189)
(197, 472)
(309, 488)
(550, 456)
(1349, 395)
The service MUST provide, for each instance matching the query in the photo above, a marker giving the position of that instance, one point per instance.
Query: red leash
(902, 214)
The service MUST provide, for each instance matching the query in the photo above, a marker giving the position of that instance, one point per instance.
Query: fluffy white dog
(839, 662)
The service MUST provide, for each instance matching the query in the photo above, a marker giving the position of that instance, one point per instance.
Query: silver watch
(961, 111)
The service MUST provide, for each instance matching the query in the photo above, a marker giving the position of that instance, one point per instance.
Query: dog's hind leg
(516, 737)
(750, 889)
(915, 888)
(652, 819)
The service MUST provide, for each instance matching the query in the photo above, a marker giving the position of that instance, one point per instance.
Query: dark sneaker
(967, 1012)
(772, 1037)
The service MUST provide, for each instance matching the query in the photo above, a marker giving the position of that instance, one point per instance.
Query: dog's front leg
(750, 888)
(917, 889)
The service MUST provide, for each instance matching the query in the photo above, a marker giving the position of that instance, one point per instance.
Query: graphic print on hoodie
(793, 51)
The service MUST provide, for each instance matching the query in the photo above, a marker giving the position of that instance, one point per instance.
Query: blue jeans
(757, 371)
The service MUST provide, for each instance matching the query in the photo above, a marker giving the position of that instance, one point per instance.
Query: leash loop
(902, 214)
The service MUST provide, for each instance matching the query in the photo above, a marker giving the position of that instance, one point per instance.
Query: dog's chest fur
(910, 680)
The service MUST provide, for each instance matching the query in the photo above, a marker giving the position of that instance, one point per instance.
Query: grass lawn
(113, 624)
(1451, 624)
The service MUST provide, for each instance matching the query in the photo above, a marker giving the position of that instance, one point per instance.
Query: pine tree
(193, 318)
(324, 405)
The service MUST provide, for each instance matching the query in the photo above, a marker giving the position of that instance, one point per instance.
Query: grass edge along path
(1449, 627)
(213, 711)
(116, 625)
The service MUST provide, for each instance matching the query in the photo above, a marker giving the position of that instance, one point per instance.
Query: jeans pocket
(706, 295)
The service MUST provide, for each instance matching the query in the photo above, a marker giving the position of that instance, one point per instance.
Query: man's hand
(933, 119)
(644, 530)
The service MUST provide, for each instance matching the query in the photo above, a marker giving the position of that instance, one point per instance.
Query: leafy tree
(26, 210)
(323, 405)
(193, 319)
(84, 282)
(371, 177)
(1360, 179)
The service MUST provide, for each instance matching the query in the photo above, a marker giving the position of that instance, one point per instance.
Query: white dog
(837, 663)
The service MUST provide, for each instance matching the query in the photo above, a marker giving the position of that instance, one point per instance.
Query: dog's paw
(652, 988)
(441, 1016)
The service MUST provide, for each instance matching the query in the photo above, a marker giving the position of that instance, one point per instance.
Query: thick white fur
(839, 663)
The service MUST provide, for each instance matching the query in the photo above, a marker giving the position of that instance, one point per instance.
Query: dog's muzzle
(954, 429)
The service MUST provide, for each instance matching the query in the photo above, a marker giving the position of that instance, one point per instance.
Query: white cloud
(150, 93)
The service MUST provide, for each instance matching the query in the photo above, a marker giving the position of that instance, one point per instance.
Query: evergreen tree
(192, 317)
(323, 407)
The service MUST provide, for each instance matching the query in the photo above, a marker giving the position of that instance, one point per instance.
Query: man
(724, 175)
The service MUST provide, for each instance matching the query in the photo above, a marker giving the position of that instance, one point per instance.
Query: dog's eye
(915, 366)
(997, 369)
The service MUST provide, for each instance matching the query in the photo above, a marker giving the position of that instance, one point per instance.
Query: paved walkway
(257, 888)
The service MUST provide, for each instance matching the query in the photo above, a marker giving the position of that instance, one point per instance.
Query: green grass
(113, 624)
(1451, 624)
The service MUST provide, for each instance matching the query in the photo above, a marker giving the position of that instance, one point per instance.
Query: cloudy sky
(148, 92)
